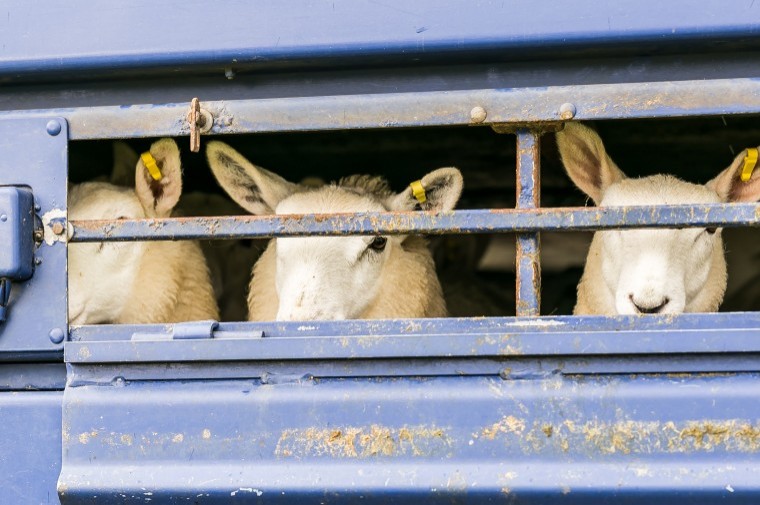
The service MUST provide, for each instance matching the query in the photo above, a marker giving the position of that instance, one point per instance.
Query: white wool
(136, 282)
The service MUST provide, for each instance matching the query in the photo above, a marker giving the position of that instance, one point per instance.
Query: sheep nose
(644, 308)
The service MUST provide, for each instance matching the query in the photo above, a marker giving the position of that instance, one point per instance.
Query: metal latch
(200, 121)
(16, 240)
(194, 330)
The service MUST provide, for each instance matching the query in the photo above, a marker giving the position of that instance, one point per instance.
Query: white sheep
(368, 277)
(137, 282)
(649, 270)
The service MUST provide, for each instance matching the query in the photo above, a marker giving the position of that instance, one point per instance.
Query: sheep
(137, 282)
(647, 271)
(333, 278)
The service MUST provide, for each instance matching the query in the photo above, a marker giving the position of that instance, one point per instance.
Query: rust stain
(507, 424)
(625, 437)
(363, 442)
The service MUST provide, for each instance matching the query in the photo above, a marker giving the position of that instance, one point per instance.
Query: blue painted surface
(528, 262)
(398, 223)
(37, 306)
(40, 39)
(30, 446)
(16, 232)
(583, 440)
(427, 338)
(419, 108)
(654, 409)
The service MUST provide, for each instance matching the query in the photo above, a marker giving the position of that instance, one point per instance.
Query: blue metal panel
(580, 440)
(427, 338)
(397, 223)
(33, 153)
(30, 446)
(40, 39)
(436, 108)
(32, 376)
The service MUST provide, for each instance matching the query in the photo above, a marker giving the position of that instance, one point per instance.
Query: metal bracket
(539, 127)
(182, 331)
(200, 121)
(194, 330)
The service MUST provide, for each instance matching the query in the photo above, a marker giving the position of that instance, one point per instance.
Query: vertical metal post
(528, 265)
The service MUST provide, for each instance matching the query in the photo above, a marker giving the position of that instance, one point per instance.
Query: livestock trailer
(521, 402)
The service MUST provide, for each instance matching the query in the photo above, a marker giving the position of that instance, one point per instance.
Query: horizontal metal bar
(430, 338)
(397, 223)
(510, 105)
(448, 326)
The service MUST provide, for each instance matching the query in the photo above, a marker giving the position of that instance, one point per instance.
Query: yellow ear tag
(150, 163)
(418, 191)
(749, 164)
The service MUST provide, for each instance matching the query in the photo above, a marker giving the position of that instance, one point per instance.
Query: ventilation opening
(476, 271)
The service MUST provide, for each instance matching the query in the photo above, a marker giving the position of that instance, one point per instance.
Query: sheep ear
(586, 161)
(443, 187)
(159, 197)
(731, 188)
(124, 160)
(255, 189)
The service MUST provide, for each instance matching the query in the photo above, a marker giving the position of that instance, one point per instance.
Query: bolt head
(567, 111)
(56, 335)
(478, 114)
(53, 127)
(3, 217)
(58, 227)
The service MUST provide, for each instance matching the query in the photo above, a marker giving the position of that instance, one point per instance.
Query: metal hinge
(194, 330)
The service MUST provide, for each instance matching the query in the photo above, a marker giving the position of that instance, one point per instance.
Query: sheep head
(326, 277)
(649, 270)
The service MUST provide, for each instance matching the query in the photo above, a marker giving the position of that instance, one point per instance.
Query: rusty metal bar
(435, 108)
(399, 223)
(528, 257)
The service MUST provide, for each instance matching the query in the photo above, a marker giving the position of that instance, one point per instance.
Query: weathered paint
(621, 336)
(399, 223)
(435, 108)
(528, 188)
(641, 438)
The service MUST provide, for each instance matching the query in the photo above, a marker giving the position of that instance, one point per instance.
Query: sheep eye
(711, 231)
(378, 244)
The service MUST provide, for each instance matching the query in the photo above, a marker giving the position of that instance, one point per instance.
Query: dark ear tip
(216, 150)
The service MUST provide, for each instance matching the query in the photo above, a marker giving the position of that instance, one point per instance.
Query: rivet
(3, 217)
(567, 111)
(37, 208)
(38, 261)
(229, 73)
(56, 335)
(478, 114)
(53, 127)
(58, 227)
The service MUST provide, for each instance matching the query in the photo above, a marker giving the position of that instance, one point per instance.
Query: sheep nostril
(643, 309)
